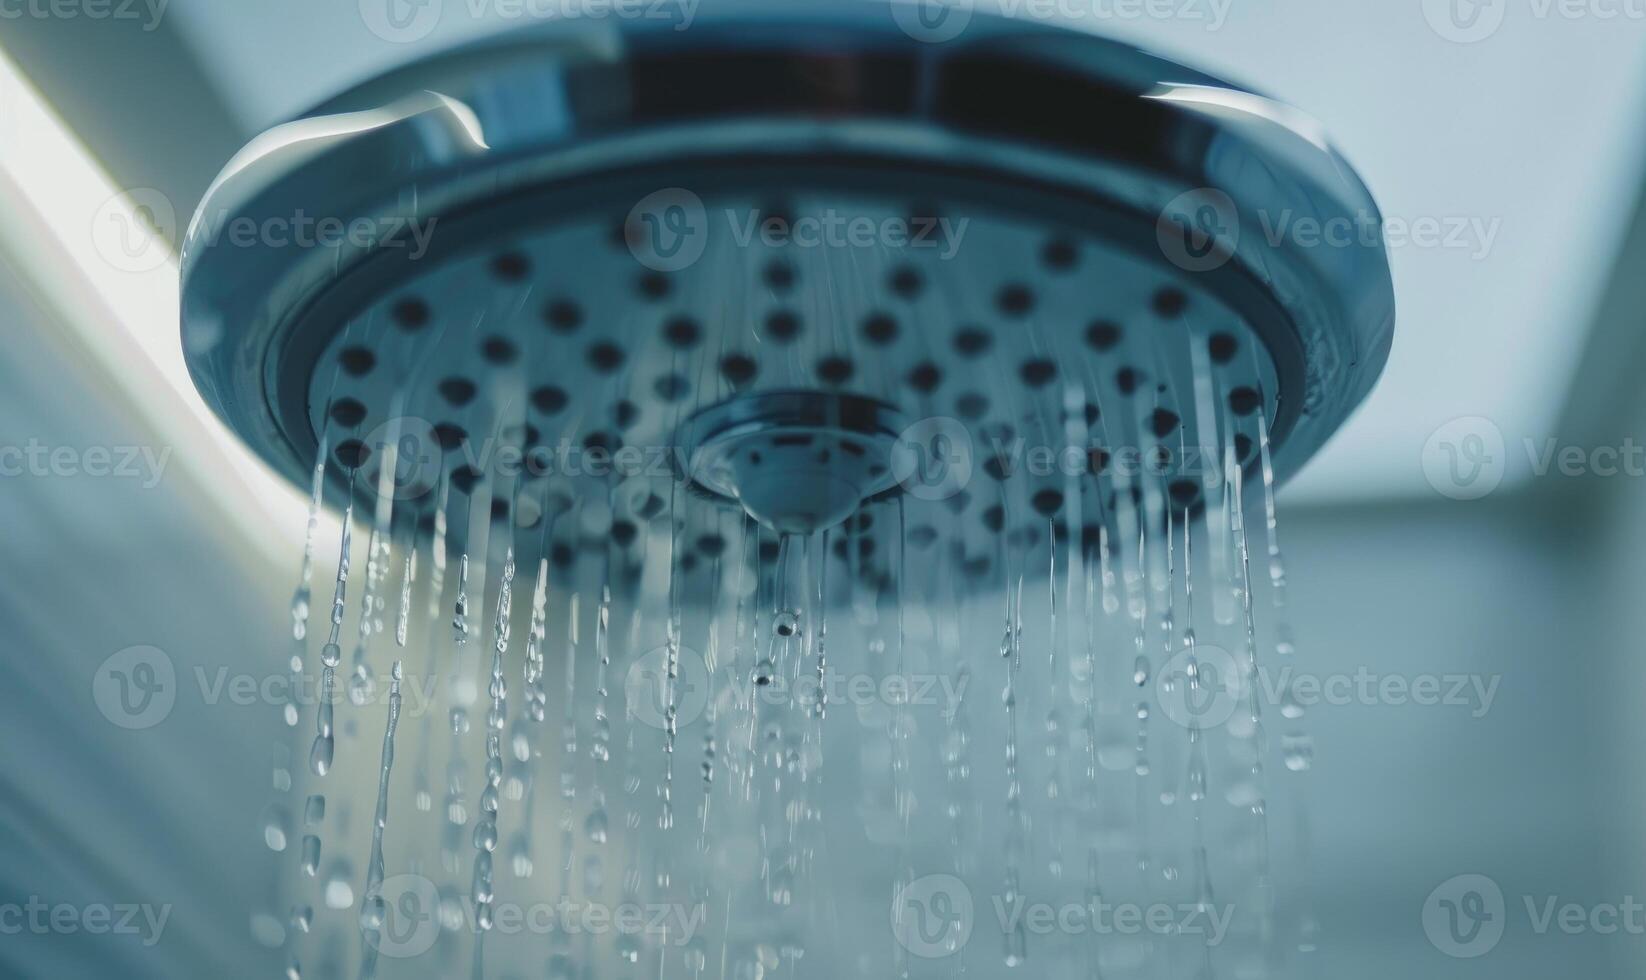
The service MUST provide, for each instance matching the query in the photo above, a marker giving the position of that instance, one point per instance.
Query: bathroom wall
(1497, 595)
(146, 798)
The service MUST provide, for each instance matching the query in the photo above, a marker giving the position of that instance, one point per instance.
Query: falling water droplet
(276, 824)
(1297, 751)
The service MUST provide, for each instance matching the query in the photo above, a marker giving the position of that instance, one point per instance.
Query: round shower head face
(586, 249)
(558, 353)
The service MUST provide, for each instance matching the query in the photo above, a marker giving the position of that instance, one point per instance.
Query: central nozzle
(796, 461)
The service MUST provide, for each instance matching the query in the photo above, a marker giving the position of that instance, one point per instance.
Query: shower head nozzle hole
(779, 276)
(411, 313)
(682, 332)
(972, 342)
(880, 329)
(499, 351)
(352, 453)
(907, 282)
(1243, 401)
(1170, 302)
(450, 436)
(348, 413)
(1038, 372)
(782, 326)
(511, 267)
(653, 286)
(1103, 335)
(671, 387)
(738, 369)
(1059, 254)
(550, 400)
(835, 369)
(563, 315)
(357, 362)
(925, 377)
(1222, 347)
(1015, 300)
(1047, 502)
(458, 392)
(605, 356)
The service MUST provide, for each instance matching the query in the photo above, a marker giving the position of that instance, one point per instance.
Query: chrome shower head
(785, 228)
(575, 289)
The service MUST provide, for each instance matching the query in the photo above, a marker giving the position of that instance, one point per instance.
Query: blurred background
(1476, 521)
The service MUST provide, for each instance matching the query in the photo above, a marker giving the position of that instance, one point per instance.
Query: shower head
(791, 257)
